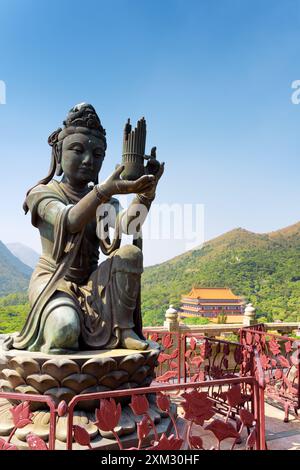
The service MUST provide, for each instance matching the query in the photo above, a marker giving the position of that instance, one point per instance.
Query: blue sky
(212, 78)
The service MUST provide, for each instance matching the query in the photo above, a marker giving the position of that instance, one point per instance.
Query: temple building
(211, 303)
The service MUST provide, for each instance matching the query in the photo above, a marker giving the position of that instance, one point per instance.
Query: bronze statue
(77, 304)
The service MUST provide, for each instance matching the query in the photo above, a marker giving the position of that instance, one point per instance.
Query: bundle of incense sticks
(134, 141)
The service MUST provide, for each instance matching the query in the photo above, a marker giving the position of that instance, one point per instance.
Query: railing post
(171, 319)
(183, 339)
(179, 341)
(261, 400)
(69, 442)
(249, 315)
(52, 428)
(298, 359)
(259, 413)
(256, 411)
(241, 335)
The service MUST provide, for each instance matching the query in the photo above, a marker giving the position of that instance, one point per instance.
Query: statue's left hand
(157, 169)
(115, 185)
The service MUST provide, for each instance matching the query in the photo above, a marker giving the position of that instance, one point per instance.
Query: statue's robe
(68, 274)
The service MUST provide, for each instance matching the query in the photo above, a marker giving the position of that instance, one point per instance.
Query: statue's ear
(59, 170)
(57, 149)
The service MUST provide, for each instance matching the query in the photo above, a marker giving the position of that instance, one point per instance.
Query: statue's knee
(131, 255)
(62, 328)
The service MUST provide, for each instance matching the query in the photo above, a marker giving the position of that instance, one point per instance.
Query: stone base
(100, 439)
(64, 376)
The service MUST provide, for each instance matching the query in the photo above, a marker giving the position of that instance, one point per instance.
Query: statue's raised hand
(157, 169)
(115, 185)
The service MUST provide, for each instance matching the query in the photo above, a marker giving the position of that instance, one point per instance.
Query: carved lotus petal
(154, 414)
(7, 388)
(151, 359)
(4, 384)
(13, 377)
(114, 379)
(24, 366)
(96, 389)
(140, 374)
(79, 382)
(60, 367)
(3, 361)
(80, 419)
(42, 382)
(91, 405)
(128, 385)
(6, 420)
(127, 424)
(60, 393)
(39, 426)
(27, 389)
(99, 367)
(132, 362)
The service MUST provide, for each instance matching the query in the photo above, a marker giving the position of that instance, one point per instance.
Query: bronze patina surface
(77, 304)
(83, 333)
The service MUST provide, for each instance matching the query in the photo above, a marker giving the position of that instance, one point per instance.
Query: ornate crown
(82, 115)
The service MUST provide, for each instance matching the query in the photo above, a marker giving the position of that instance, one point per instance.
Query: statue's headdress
(81, 118)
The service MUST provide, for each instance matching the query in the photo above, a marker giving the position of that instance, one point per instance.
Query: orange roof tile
(220, 304)
(221, 293)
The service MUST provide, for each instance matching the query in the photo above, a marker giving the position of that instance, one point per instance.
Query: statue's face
(82, 158)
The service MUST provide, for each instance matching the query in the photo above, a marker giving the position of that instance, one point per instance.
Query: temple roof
(214, 293)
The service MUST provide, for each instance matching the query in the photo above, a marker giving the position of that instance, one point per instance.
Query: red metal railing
(23, 413)
(280, 362)
(200, 373)
(199, 407)
(170, 359)
(196, 391)
(212, 358)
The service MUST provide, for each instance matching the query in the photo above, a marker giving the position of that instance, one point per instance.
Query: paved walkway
(280, 435)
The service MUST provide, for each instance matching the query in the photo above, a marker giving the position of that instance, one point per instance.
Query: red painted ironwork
(22, 416)
(169, 360)
(208, 359)
(219, 384)
(212, 358)
(198, 407)
(280, 364)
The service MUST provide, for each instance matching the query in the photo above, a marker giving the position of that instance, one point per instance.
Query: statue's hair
(84, 115)
(81, 115)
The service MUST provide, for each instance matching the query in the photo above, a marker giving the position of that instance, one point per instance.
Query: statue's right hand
(115, 185)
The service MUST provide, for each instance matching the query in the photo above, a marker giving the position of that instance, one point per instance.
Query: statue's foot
(154, 345)
(130, 340)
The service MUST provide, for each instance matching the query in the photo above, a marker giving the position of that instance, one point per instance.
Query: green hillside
(13, 311)
(263, 268)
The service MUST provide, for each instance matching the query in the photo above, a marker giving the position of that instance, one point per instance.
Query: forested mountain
(14, 275)
(24, 253)
(263, 268)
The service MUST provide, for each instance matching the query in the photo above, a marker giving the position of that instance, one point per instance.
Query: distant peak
(286, 232)
(24, 253)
